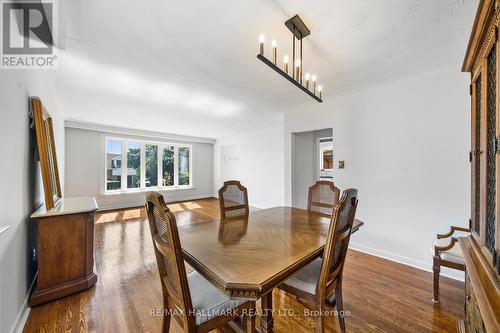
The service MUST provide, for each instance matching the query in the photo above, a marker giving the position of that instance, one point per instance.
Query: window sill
(143, 190)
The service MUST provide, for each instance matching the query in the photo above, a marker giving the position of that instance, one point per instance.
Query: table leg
(266, 318)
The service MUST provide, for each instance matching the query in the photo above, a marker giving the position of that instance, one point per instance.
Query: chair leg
(250, 319)
(320, 322)
(165, 327)
(339, 304)
(436, 269)
(166, 324)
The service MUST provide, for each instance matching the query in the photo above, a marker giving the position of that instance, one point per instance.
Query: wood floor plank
(381, 295)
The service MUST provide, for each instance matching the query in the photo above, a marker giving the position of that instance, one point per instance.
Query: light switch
(341, 165)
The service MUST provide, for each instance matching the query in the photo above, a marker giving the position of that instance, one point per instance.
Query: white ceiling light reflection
(122, 81)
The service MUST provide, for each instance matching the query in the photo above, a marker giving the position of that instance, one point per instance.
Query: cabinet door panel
(491, 120)
(476, 153)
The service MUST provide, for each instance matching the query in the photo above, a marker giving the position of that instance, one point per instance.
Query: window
(113, 165)
(183, 166)
(151, 165)
(133, 165)
(148, 165)
(168, 166)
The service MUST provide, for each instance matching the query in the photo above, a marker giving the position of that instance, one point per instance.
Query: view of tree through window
(168, 166)
(183, 166)
(133, 165)
(113, 165)
(151, 165)
(161, 165)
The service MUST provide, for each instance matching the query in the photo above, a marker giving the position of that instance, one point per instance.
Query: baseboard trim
(22, 315)
(103, 208)
(401, 260)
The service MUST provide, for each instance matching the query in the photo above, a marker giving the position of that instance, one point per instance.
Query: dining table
(247, 257)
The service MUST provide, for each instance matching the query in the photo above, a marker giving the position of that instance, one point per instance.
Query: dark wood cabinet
(481, 249)
(65, 249)
(481, 62)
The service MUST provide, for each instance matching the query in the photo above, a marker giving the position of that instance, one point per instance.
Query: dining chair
(446, 252)
(323, 196)
(233, 199)
(320, 282)
(196, 304)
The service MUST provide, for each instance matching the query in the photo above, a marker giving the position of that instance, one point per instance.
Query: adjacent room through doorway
(312, 160)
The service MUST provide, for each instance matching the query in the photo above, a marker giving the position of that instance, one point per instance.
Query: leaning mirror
(46, 152)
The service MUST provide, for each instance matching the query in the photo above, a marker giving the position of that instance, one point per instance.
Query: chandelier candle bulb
(314, 84)
(275, 51)
(297, 70)
(285, 64)
(307, 80)
(320, 88)
(262, 39)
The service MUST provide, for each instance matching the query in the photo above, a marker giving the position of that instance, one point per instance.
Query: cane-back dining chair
(193, 301)
(320, 282)
(233, 199)
(323, 196)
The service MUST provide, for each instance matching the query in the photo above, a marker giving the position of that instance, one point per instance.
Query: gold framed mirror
(46, 152)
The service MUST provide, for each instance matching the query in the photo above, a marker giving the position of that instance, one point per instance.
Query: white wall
(84, 158)
(22, 191)
(229, 162)
(406, 146)
(260, 161)
(303, 172)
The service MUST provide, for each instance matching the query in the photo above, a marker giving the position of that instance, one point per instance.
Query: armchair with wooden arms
(446, 252)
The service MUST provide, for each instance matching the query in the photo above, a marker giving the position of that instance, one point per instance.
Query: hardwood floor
(381, 295)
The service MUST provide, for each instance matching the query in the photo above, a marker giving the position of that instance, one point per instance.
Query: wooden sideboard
(481, 250)
(65, 249)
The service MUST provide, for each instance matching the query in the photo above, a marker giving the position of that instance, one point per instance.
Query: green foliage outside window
(151, 165)
(134, 162)
(183, 166)
(168, 166)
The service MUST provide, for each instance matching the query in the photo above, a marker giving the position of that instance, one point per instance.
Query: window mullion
(124, 165)
(160, 166)
(190, 163)
(143, 165)
(176, 166)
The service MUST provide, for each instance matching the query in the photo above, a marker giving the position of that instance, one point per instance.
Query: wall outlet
(341, 164)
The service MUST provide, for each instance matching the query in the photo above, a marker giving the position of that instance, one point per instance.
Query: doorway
(312, 160)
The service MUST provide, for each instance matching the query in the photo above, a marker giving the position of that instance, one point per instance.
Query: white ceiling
(190, 67)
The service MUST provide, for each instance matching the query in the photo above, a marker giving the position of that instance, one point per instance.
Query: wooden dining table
(249, 257)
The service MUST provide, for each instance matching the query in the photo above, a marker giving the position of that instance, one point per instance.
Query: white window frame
(124, 168)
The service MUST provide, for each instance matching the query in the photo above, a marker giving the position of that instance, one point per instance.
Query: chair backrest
(323, 196)
(337, 240)
(233, 199)
(168, 252)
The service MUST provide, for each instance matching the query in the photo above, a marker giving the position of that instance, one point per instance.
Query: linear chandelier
(299, 31)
